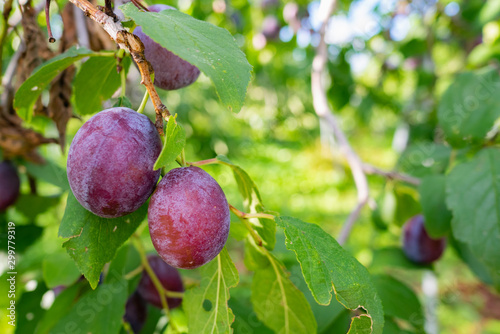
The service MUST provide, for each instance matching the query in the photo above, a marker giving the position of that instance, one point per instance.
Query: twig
(391, 175)
(134, 46)
(323, 111)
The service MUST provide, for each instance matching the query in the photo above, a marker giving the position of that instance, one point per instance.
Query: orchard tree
(122, 210)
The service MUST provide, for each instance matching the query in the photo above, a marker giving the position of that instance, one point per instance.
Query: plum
(417, 245)
(169, 278)
(110, 162)
(171, 71)
(188, 218)
(136, 312)
(271, 27)
(9, 185)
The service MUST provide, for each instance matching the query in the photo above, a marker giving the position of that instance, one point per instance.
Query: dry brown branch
(134, 46)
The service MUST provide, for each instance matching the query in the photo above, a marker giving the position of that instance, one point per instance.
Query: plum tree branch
(391, 175)
(324, 112)
(134, 46)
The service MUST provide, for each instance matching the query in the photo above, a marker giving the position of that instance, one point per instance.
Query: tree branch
(324, 112)
(391, 175)
(134, 46)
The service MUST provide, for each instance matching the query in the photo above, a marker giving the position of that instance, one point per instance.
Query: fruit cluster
(110, 171)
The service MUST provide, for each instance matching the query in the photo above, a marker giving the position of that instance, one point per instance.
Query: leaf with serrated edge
(473, 195)
(30, 90)
(217, 277)
(212, 49)
(175, 139)
(94, 240)
(326, 266)
(265, 228)
(278, 303)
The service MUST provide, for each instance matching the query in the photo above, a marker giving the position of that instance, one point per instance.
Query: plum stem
(123, 79)
(143, 103)
(243, 216)
(183, 158)
(131, 274)
(173, 294)
(134, 272)
(145, 263)
(203, 162)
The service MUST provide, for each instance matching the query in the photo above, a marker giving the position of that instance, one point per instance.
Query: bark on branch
(134, 46)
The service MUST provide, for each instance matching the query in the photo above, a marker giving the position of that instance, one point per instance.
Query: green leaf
(252, 201)
(98, 311)
(392, 327)
(26, 236)
(127, 258)
(278, 303)
(29, 303)
(399, 300)
(212, 49)
(424, 158)
(489, 12)
(59, 269)
(473, 195)
(94, 240)
(241, 306)
(49, 172)
(432, 191)
(326, 266)
(361, 324)
(61, 306)
(206, 305)
(175, 139)
(95, 82)
(30, 205)
(476, 266)
(470, 106)
(407, 205)
(123, 101)
(392, 257)
(30, 90)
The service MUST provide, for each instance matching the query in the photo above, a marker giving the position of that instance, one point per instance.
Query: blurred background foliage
(389, 63)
